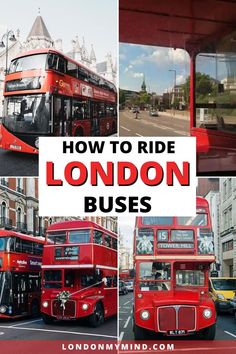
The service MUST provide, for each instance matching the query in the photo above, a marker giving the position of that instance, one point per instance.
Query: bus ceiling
(186, 24)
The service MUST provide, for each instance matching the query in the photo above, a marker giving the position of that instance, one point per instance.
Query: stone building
(228, 225)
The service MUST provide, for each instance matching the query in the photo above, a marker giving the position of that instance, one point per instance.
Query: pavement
(18, 164)
(169, 123)
(35, 329)
(226, 328)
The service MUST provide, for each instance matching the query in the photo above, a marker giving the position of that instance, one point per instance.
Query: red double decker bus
(49, 94)
(20, 274)
(172, 257)
(79, 273)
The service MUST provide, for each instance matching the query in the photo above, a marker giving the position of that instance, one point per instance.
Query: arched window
(3, 210)
(18, 215)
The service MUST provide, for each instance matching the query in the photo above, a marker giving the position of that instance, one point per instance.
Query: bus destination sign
(67, 253)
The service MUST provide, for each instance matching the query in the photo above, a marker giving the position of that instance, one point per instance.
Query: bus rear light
(85, 307)
(45, 304)
(145, 315)
(3, 309)
(140, 296)
(207, 313)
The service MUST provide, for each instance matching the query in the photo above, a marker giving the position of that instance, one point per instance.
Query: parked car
(153, 113)
(223, 290)
(129, 285)
(122, 288)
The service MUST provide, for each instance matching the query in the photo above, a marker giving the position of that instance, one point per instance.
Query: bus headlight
(45, 304)
(220, 297)
(85, 307)
(3, 309)
(207, 313)
(145, 315)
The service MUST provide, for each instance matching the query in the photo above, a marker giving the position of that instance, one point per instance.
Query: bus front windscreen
(27, 114)
(154, 276)
(30, 62)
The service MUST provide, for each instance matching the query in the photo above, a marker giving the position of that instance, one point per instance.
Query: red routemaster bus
(49, 94)
(172, 257)
(20, 274)
(207, 31)
(79, 273)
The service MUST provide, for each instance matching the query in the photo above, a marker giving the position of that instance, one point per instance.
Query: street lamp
(174, 71)
(8, 36)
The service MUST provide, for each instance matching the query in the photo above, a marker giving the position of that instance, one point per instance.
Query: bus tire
(35, 310)
(97, 318)
(79, 132)
(47, 319)
(209, 333)
(139, 333)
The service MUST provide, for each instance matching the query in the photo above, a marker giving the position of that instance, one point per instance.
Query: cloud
(180, 79)
(136, 75)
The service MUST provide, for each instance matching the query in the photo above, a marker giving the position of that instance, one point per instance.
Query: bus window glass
(154, 276)
(198, 220)
(52, 275)
(215, 85)
(79, 236)
(157, 220)
(190, 278)
(38, 249)
(52, 61)
(31, 62)
(5, 286)
(69, 278)
(2, 243)
(88, 280)
(114, 243)
(27, 246)
(61, 66)
(34, 283)
(145, 241)
(97, 237)
(56, 237)
(27, 114)
(107, 241)
(72, 69)
(82, 73)
(18, 245)
(80, 109)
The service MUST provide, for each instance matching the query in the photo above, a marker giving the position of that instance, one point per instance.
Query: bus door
(94, 113)
(20, 293)
(62, 116)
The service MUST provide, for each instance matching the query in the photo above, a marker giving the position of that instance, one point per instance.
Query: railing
(22, 227)
(5, 222)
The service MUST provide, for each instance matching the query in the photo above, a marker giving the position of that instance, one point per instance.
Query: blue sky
(93, 19)
(154, 63)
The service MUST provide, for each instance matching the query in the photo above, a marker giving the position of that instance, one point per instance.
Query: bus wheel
(47, 319)
(35, 309)
(209, 333)
(139, 333)
(79, 132)
(97, 318)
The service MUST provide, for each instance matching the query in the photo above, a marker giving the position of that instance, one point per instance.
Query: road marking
(122, 311)
(139, 134)
(126, 303)
(1, 333)
(121, 126)
(122, 335)
(231, 334)
(126, 307)
(63, 332)
(20, 324)
(180, 132)
(127, 322)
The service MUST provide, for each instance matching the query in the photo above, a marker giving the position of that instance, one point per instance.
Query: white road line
(63, 332)
(20, 324)
(122, 311)
(180, 132)
(139, 134)
(126, 303)
(231, 334)
(122, 335)
(127, 322)
(121, 126)
(1, 333)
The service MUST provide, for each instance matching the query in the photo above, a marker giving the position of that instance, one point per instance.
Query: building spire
(144, 87)
(38, 10)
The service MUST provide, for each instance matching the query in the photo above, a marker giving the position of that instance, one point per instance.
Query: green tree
(204, 86)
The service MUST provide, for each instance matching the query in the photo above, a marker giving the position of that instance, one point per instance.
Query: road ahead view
(169, 123)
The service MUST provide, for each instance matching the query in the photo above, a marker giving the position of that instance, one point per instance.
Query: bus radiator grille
(182, 317)
(58, 310)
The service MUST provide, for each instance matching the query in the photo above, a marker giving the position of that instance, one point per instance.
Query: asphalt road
(226, 328)
(18, 164)
(164, 125)
(29, 329)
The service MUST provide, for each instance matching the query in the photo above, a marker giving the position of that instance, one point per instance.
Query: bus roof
(6, 233)
(182, 24)
(78, 224)
(52, 50)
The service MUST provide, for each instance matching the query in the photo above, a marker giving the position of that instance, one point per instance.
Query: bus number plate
(177, 332)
